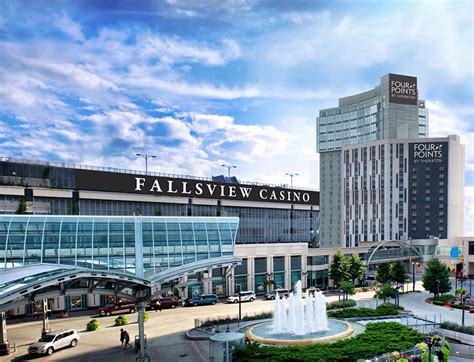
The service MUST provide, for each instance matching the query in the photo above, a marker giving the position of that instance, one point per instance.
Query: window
(471, 248)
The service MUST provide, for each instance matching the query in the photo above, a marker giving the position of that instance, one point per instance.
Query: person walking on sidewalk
(125, 339)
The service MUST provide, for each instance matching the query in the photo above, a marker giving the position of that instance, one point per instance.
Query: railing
(135, 172)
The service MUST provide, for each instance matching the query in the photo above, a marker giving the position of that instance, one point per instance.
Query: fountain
(299, 321)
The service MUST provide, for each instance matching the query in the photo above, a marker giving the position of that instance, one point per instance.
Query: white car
(52, 341)
(244, 297)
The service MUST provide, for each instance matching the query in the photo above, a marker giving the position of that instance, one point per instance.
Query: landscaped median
(449, 301)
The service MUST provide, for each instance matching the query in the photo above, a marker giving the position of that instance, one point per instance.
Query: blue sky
(202, 83)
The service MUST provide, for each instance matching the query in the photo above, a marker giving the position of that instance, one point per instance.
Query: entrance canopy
(26, 284)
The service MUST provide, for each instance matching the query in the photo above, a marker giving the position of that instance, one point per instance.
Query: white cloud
(70, 27)
(469, 210)
(174, 50)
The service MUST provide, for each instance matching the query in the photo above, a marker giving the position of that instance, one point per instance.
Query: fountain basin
(263, 333)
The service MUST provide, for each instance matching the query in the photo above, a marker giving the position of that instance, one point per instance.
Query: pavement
(165, 330)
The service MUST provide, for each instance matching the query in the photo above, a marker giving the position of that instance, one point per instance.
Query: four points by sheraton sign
(167, 186)
(402, 89)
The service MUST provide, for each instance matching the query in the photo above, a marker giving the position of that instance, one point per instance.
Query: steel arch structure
(404, 255)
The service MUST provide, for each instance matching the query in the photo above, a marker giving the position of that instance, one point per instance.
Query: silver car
(52, 341)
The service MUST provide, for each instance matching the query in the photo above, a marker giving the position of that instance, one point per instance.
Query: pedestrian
(126, 340)
(122, 336)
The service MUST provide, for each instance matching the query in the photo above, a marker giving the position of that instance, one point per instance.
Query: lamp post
(291, 177)
(413, 268)
(433, 343)
(229, 167)
(237, 288)
(146, 157)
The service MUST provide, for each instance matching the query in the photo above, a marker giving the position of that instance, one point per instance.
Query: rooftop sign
(402, 89)
(167, 186)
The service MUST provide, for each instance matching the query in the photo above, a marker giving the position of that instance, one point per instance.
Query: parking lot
(165, 334)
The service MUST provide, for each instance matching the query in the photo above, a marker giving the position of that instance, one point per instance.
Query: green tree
(347, 289)
(338, 271)
(384, 273)
(399, 273)
(355, 268)
(21, 206)
(436, 277)
(386, 292)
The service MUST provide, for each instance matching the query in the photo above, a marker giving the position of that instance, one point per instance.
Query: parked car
(118, 308)
(281, 292)
(244, 297)
(163, 303)
(203, 299)
(52, 341)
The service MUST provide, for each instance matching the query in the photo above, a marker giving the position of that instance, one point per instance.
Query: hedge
(341, 304)
(457, 327)
(229, 320)
(382, 310)
(444, 298)
(378, 338)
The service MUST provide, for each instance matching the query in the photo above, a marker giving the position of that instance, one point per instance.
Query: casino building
(277, 235)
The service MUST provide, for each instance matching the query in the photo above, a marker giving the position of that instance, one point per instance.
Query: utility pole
(291, 178)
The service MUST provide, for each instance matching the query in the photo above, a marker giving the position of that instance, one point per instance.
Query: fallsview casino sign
(402, 89)
(167, 186)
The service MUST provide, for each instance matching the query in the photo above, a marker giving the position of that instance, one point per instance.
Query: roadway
(165, 330)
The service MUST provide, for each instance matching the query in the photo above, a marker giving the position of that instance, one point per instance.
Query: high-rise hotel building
(389, 111)
(382, 178)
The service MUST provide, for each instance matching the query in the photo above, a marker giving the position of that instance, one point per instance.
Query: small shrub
(438, 302)
(382, 310)
(445, 298)
(341, 304)
(445, 353)
(146, 316)
(93, 325)
(121, 320)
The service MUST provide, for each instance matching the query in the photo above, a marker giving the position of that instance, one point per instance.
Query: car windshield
(47, 338)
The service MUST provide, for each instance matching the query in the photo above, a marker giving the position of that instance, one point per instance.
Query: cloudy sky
(202, 83)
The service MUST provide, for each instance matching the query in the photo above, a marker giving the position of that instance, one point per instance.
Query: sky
(204, 83)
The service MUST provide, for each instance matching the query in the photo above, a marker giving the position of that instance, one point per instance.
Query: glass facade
(133, 245)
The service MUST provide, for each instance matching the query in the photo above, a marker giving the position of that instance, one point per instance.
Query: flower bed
(378, 338)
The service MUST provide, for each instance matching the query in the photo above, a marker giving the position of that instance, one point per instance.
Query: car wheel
(251, 299)
(73, 343)
(213, 302)
(273, 298)
(236, 301)
(195, 304)
(110, 313)
(132, 310)
(50, 351)
(173, 306)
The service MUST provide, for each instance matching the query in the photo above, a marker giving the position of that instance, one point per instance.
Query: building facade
(403, 189)
(278, 226)
(389, 111)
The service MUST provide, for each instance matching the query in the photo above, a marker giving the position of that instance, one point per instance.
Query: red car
(163, 303)
(118, 308)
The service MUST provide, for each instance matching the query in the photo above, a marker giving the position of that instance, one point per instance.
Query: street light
(229, 167)
(291, 177)
(432, 342)
(146, 157)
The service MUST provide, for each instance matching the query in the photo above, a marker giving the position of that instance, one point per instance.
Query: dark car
(118, 308)
(203, 299)
(285, 293)
(163, 303)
